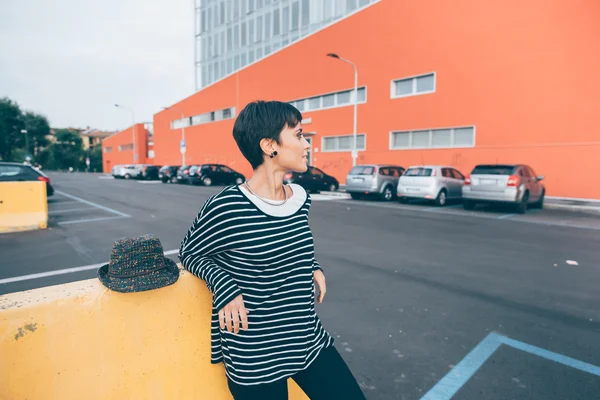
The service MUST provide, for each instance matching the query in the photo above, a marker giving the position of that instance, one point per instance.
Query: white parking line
(81, 221)
(64, 271)
(67, 210)
(110, 210)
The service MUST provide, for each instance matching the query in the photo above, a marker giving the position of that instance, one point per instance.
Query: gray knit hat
(138, 264)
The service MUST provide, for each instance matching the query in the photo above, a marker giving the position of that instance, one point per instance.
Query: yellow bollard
(83, 341)
(23, 206)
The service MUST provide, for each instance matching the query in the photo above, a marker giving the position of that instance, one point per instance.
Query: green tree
(67, 151)
(11, 124)
(38, 128)
(95, 155)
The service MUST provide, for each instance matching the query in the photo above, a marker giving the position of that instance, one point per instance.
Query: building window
(343, 143)
(108, 149)
(276, 22)
(331, 100)
(433, 138)
(218, 115)
(412, 86)
(126, 147)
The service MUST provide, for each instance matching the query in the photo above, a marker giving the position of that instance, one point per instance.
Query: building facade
(133, 145)
(231, 34)
(457, 83)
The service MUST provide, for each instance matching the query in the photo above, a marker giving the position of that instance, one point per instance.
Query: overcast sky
(72, 60)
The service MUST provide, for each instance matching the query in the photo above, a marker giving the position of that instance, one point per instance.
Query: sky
(72, 60)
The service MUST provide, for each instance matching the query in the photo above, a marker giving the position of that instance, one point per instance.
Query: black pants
(328, 377)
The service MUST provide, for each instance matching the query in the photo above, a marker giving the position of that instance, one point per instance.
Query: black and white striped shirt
(237, 248)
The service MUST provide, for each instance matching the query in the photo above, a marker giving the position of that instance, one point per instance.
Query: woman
(253, 247)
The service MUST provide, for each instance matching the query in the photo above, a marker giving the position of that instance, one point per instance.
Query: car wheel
(540, 202)
(173, 179)
(355, 196)
(387, 194)
(333, 187)
(127, 176)
(207, 181)
(441, 198)
(164, 180)
(469, 205)
(239, 181)
(522, 206)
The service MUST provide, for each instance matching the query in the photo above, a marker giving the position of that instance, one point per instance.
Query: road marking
(106, 177)
(64, 271)
(447, 387)
(110, 210)
(68, 210)
(506, 216)
(149, 182)
(81, 221)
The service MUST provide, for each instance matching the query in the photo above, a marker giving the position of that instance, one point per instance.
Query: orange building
(441, 82)
(119, 148)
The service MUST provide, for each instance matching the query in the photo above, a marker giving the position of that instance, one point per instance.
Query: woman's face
(292, 152)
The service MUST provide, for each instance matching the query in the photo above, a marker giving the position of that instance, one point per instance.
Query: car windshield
(361, 170)
(418, 172)
(493, 170)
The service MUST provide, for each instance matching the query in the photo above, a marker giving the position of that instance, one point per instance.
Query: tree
(37, 129)
(67, 151)
(11, 125)
(95, 155)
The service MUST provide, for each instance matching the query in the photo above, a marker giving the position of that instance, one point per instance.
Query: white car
(438, 183)
(126, 171)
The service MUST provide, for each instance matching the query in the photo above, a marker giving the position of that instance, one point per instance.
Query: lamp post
(182, 132)
(132, 129)
(354, 147)
(24, 131)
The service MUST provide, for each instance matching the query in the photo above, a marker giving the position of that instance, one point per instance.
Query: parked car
(431, 182)
(515, 184)
(313, 180)
(216, 174)
(379, 180)
(182, 174)
(15, 172)
(126, 171)
(149, 172)
(168, 173)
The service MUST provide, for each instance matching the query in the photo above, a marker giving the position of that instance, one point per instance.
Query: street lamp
(354, 147)
(132, 129)
(24, 131)
(182, 133)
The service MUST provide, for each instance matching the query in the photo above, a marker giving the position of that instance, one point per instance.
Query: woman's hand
(233, 314)
(319, 278)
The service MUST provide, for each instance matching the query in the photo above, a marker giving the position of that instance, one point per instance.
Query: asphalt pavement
(424, 303)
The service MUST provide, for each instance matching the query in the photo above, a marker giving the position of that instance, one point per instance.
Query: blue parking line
(549, 355)
(454, 380)
(460, 374)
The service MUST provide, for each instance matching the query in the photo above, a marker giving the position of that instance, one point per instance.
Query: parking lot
(424, 302)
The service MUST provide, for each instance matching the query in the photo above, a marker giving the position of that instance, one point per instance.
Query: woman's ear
(267, 146)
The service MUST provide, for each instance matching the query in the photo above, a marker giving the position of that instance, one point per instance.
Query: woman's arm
(196, 251)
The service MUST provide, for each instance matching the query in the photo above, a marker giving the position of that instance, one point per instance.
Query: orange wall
(524, 73)
(125, 137)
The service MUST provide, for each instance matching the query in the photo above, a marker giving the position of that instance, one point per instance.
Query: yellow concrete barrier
(23, 206)
(83, 341)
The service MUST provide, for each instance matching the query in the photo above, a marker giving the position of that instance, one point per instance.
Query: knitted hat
(138, 264)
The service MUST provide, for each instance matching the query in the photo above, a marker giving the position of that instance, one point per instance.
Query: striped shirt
(238, 248)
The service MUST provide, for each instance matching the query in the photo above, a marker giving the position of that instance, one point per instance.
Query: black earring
(273, 154)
